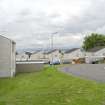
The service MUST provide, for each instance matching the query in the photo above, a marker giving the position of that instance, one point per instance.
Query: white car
(55, 61)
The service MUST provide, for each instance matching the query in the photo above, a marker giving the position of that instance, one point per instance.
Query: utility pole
(52, 44)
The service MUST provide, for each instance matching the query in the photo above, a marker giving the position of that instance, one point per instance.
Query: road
(89, 71)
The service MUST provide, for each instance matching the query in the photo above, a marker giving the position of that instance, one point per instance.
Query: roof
(71, 50)
(50, 51)
(95, 49)
(8, 39)
(37, 52)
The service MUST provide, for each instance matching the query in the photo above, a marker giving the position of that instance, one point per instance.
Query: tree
(93, 40)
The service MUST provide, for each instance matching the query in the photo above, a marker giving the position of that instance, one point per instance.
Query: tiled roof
(50, 51)
(71, 50)
(95, 49)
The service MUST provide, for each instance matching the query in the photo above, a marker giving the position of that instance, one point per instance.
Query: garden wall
(22, 67)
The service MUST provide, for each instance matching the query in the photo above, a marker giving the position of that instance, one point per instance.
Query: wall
(89, 54)
(28, 67)
(5, 57)
(13, 58)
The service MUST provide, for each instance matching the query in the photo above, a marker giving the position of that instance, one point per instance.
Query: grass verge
(50, 87)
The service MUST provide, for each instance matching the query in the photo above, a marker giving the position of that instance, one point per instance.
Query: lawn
(50, 87)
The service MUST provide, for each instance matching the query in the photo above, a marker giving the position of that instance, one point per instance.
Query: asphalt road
(89, 71)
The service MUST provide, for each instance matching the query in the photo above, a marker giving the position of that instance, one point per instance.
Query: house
(39, 55)
(22, 57)
(74, 53)
(97, 51)
(52, 54)
(7, 57)
(95, 54)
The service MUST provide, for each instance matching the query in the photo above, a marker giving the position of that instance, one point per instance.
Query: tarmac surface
(88, 71)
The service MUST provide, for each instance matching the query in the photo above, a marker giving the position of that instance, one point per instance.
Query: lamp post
(52, 44)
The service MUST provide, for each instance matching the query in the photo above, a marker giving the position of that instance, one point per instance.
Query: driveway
(89, 71)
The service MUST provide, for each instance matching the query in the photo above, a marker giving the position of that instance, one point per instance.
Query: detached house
(21, 57)
(52, 53)
(37, 56)
(97, 51)
(94, 54)
(7, 57)
(74, 53)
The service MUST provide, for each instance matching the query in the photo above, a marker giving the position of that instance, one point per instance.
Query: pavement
(88, 71)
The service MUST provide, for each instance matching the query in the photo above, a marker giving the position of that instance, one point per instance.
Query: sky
(31, 23)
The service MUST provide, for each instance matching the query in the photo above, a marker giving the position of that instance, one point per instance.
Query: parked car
(55, 61)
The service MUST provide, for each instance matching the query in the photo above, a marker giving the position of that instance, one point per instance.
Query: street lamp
(52, 35)
(52, 43)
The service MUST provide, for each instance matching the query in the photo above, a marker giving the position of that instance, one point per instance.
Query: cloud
(31, 22)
